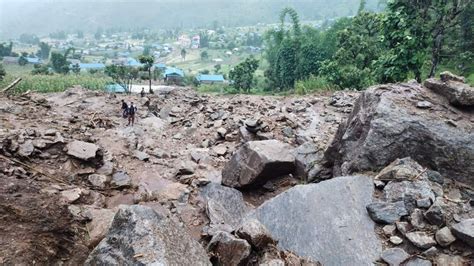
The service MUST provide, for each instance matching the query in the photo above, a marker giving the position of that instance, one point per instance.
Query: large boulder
(225, 206)
(256, 162)
(140, 236)
(82, 150)
(457, 93)
(326, 222)
(385, 124)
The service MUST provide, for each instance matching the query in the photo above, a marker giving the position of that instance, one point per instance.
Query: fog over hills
(45, 16)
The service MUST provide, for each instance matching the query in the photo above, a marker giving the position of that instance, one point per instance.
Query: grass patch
(313, 84)
(56, 82)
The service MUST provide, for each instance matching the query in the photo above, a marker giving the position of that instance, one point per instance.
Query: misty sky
(45, 16)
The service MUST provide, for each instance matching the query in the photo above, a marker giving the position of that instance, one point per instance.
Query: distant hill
(45, 16)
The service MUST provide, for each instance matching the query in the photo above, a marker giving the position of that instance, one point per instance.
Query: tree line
(409, 40)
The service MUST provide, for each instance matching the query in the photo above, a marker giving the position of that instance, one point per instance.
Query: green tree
(76, 69)
(6, 50)
(2, 72)
(204, 55)
(242, 75)
(22, 59)
(40, 69)
(44, 51)
(147, 62)
(59, 63)
(122, 75)
(217, 68)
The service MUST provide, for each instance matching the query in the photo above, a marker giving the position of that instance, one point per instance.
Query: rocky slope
(224, 180)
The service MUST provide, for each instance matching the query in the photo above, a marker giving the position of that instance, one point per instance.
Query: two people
(129, 111)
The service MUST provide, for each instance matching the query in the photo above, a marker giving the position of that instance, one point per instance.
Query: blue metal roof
(170, 71)
(133, 62)
(213, 78)
(113, 88)
(91, 66)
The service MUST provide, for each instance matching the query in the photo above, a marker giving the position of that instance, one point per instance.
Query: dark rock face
(326, 222)
(386, 212)
(385, 125)
(257, 162)
(465, 231)
(140, 236)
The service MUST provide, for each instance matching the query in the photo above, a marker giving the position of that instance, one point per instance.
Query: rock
(408, 192)
(98, 181)
(121, 180)
(394, 256)
(444, 259)
(224, 205)
(97, 228)
(465, 231)
(421, 239)
(430, 253)
(315, 220)
(404, 227)
(187, 168)
(142, 156)
(383, 127)
(71, 195)
(400, 169)
(396, 240)
(26, 149)
(389, 229)
(106, 169)
(416, 219)
(256, 162)
(246, 135)
(418, 262)
(82, 150)
(220, 150)
(221, 132)
(444, 237)
(423, 203)
(448, 76)
(306, 158)
(424, 105)
(228, 249)
(252, 125)
(457, 93)
(436, 213)
(435, 176)
(386, 212)
(255, 233)
(140, 236)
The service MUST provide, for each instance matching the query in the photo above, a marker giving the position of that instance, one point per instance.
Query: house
(209, 79)
(160, 66)
(95, 66)
(173, 75)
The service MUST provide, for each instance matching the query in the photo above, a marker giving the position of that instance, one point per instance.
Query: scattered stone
(256, 234)
(257, 162)
(246, 135)
(416, 261)
(142, 156)
(400, 169)
(97, 228)
(228, 249)
(444, 259)
(386, 212)
(315, 220)
(444, 237)
(26, 149)
(307, 156)
(421, 239)
(220, 150)
(98, 181)
(221, 132)
(71, 195)
(424, 105)
(106, 169)
(121, 180)
(416, 219)
(430, 253)
(408, 192)
(436, 213)
(465, 231)
(389, 229)
(435, 176)
(82, 150)
(140, 236)
(404, 227)
(187, 168)
(379, 184)
(394, 256)
(423, 203)
(396, 240)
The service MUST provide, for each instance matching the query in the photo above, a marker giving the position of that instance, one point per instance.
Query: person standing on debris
(124, 109)
(142, 93)
(131, 110)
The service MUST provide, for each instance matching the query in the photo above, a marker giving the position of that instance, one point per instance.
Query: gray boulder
(457, 93)
(308, 159)
(82, 150)
(256, 162)
(385, 125)
(140, 236)
(317, 220)
(386, 212)
(394, 256)
(421, 239)
(228, 249)
(255, 233)
(224, 205)
(465, 231)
